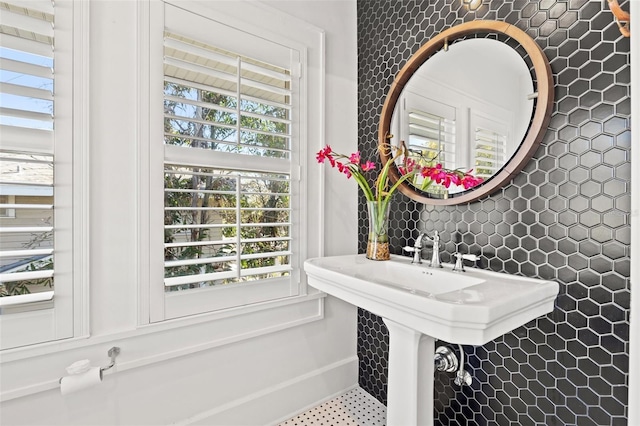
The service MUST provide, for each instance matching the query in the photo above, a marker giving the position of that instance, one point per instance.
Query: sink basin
(472, 307)
(420, 304)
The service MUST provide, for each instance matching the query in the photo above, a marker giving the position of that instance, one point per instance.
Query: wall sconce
(471, 4)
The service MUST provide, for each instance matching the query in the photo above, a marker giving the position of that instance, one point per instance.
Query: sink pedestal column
(411, 375)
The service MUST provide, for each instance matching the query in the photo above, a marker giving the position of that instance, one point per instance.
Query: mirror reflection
(468, 106)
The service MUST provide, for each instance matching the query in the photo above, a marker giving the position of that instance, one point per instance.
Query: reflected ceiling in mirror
(469, 103)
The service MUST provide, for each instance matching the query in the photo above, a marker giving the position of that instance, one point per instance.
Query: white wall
(256, 380)
(338, 19)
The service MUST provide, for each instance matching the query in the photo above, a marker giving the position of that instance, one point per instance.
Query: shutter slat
(26, 91)
(43, 6)
(26, 253)
(264, 240)
(199, 69)
(202, 104)
(26, 45)
(262, 132)
(200, 243)
(265, 254)
(265, 270)
(22, 299)
(199, 261)
(265, 87)
(267, 118)
(27, 206)
(194, 85)
(27, 115)
(26, 23)
(261, 224)
(277, 75)
(192, 279)
(199, 121)
(198, 226)
(268, 102)
(25, 276)
(199, 191)
(198, 51)
(23, 229)
(40, 141)
(26, 68)
(203, 209)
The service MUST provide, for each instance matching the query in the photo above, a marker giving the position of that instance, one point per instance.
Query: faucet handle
(418, 242)
(472, 257)
(459, 265)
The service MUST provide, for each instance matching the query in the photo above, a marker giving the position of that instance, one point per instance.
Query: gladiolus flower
(325, 154)
(369, 165)
(351, 166)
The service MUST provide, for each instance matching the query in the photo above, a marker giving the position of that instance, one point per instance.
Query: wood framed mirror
(466, 123)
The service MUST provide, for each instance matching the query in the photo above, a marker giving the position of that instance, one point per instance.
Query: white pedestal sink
(420, 304)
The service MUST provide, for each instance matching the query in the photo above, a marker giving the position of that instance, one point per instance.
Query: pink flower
(325, 154)
(355, 157)
(344, 169)
(469, 181)
(369, 165)
(410, 164)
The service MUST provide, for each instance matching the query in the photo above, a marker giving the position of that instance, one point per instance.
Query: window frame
(68, 313)
(153, 302)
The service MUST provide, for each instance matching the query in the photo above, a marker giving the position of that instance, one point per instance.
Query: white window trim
(69, 318)
(236, 15)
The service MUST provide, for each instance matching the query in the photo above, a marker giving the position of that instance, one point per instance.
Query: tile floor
(353, 408)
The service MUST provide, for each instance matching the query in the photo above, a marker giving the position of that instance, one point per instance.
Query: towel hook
(113, 353)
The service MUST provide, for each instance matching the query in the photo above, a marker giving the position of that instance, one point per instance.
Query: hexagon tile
(565, 217)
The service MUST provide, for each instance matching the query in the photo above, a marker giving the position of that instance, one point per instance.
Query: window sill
(153, 343)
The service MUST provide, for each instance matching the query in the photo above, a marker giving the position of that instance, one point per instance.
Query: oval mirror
(467, 103)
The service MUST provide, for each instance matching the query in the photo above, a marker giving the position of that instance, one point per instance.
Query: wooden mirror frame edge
(534, 136)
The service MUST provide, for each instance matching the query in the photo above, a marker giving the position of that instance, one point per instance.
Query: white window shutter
(231, 217)
(36, 171)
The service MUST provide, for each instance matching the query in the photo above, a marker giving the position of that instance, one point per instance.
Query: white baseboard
(283, 400)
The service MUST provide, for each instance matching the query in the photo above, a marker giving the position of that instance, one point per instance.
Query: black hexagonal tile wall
(565, 217)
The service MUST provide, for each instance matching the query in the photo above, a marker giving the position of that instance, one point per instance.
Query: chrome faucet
(416, 249)
(459, 265)
(435, 256)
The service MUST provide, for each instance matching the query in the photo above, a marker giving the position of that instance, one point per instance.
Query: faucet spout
(435, 255)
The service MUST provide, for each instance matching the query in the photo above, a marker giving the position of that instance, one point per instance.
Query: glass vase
(378, 242)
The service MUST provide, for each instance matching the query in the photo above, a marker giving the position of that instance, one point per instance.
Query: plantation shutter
(26, 153)
(229, 162)
(489, 152)
(433, 137)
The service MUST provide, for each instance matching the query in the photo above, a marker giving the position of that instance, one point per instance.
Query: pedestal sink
(419, 305)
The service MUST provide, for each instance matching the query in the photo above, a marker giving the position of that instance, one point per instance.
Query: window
(228, 127)
(489, 152)
(489, 138)
(432, 138)
(36, 166)
(429, 127)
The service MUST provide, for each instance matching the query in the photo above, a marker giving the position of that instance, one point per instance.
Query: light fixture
(471, 4)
